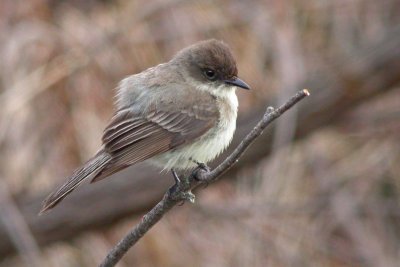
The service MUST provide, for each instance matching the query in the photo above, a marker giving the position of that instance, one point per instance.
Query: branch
(182, 191)
(17, 228)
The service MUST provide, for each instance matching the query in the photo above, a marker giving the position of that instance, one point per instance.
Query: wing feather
(122, 128)
(131, 138)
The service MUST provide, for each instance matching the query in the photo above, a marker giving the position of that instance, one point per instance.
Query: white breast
(211, 144)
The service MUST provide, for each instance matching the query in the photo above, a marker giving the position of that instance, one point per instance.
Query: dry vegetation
(323, 190)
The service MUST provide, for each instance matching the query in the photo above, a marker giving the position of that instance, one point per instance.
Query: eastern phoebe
(177, 114)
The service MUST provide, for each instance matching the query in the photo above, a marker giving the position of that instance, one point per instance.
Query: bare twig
(181, 191)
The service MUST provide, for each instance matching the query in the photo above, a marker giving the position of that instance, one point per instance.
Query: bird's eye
(210, 74)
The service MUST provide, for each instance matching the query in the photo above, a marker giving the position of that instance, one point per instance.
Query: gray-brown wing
(130, 138)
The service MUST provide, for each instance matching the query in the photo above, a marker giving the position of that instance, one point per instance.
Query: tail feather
(90, 169)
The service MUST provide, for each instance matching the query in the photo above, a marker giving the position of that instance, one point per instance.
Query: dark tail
(90, 169)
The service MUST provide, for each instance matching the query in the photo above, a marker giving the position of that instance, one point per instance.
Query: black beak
(238, 82)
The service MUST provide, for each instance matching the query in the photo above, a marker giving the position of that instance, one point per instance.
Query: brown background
(320, 188)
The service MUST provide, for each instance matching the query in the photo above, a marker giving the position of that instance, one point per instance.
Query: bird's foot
(178, 191)
(201, 167)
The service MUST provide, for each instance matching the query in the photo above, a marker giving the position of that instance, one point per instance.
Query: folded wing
(131, 138)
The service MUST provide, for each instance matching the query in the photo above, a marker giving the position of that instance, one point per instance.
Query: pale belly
(205, 149)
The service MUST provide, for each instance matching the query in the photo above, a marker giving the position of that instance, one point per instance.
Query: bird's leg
(176, 177)
(178, 191)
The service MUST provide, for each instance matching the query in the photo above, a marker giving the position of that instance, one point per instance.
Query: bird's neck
(222, 94)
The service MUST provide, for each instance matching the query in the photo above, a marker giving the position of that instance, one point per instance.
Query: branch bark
(182, 191)
(373, 71)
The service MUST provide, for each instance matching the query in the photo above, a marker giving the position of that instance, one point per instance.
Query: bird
(178, 115)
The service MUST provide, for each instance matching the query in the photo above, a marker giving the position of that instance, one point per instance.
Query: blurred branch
(371, 72)
(17, 229)
(64, 66)
(181, 191)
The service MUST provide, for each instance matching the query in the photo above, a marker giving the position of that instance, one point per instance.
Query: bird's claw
(202, 166)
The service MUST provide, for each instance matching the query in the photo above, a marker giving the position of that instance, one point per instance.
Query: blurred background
(319, 188)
